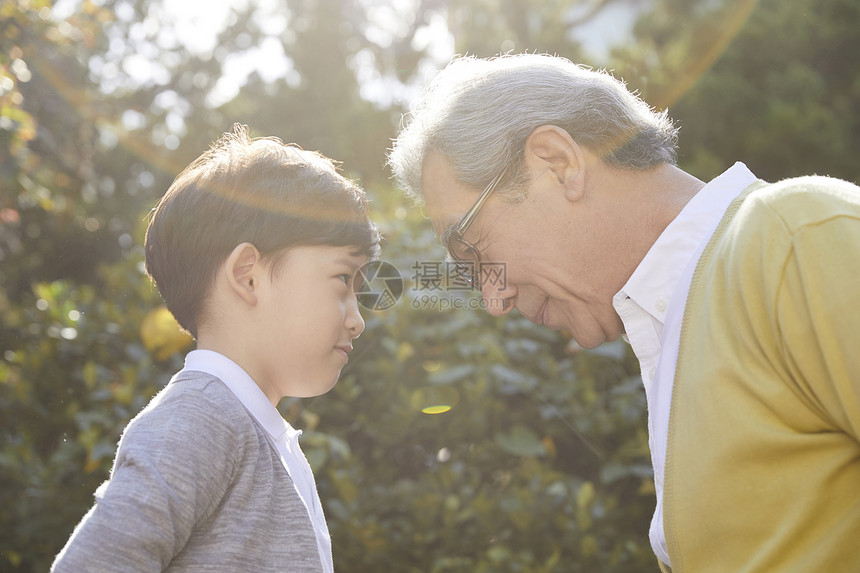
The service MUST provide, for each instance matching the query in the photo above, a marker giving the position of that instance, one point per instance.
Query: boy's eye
(345, 278)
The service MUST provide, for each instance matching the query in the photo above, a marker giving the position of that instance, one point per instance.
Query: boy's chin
(321, 389)
(310, 389)
(330, 387)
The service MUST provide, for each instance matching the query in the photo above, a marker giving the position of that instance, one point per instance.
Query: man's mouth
(540, 317)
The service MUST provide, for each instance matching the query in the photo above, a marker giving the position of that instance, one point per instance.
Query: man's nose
(499, 296)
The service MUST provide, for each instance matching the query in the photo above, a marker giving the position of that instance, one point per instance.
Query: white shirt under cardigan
(651, 306)
(284, 436)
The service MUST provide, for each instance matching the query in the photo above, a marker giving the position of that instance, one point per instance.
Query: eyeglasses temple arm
(482, 198)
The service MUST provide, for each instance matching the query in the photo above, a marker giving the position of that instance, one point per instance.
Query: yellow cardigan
(763, 456)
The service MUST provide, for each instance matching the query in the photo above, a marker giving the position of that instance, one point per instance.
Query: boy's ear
(243, 267)
(550, 149)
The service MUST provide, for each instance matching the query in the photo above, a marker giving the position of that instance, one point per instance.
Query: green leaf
(521, 441)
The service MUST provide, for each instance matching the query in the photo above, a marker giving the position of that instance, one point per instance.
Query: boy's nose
(354, 321)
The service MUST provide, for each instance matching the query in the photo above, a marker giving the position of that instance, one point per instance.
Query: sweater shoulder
(800, 202)
(198, 393)
(199, 409)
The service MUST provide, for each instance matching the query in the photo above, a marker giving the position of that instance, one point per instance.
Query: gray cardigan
(196, 486)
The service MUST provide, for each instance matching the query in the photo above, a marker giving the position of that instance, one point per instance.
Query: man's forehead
(446, 199)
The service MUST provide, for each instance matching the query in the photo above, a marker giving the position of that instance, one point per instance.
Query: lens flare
(435, 399)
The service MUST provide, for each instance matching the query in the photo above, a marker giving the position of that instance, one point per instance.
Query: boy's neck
(232, 351)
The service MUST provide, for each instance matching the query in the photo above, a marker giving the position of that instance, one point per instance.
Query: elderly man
(740, 298)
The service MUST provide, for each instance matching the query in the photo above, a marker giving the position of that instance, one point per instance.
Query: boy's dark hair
(262, 191)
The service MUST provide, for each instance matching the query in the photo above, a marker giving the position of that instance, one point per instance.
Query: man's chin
(586, 342)
(598, 340)
(590, 345)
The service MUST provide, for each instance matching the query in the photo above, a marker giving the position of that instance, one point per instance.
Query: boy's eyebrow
(353, 262)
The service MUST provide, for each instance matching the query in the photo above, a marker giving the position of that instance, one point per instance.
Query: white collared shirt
(651, 306)
(285, 437)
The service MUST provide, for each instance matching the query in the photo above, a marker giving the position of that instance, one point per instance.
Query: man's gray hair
(479, 113)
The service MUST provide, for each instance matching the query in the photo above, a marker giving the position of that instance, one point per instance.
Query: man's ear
(550, 150)
(243, 267)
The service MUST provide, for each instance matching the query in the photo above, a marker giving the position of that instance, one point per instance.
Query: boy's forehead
(345, 255)
(354, 260)
(324, 254)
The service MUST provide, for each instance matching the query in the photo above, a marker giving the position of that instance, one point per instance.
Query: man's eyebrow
(446, 236)
(446, 229)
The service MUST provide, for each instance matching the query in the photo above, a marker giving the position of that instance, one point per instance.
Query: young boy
(254, 248)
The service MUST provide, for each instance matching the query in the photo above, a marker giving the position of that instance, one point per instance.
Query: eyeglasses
(465, 254)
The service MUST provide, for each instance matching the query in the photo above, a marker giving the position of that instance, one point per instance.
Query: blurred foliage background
(540, 462)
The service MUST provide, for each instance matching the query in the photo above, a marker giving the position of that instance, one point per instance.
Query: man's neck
(649, 200)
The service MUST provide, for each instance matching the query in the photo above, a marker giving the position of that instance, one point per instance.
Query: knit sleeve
(818, 306)
(173, 466)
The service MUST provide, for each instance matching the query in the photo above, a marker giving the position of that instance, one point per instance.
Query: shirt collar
(655, 279)
(245, 389)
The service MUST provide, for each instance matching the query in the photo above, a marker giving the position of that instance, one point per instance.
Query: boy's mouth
(345, 348)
